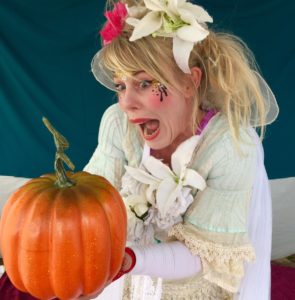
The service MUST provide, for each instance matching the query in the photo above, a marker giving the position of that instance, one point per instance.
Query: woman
(182, 129)
(180, 147)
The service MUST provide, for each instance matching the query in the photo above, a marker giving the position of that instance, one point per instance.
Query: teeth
(150, 127)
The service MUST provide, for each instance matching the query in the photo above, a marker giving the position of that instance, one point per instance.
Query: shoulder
(218, 139)
(219, 156)
(113, 121)
(117, 133)
(114, 113)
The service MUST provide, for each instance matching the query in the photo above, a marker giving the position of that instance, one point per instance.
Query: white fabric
(170, 261)
(283, 209)
(114, 291)
(8, 184)
(255, 285)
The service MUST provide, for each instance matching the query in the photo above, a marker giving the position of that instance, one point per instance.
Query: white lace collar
(156, 196)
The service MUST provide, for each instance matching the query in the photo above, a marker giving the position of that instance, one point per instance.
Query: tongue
(151, 126)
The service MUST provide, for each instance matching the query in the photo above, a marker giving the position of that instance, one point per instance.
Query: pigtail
(229, 82)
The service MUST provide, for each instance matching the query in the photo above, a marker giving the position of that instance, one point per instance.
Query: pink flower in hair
(115, 23)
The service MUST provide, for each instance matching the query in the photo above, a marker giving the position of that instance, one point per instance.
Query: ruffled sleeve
(215, 225)
(108, 159)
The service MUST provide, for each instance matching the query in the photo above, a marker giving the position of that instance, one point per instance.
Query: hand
(129, 261)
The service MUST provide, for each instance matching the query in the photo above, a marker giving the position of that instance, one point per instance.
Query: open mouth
(150, 129)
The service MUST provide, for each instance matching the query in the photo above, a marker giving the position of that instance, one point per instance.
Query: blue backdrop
(45, 52)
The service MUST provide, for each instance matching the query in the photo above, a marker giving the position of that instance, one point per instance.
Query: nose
(129, 100)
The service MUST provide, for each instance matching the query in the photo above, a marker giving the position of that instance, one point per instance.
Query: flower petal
(172, 8)
(155, 5)
(136, 11)
(141, 175)
(173, 197)
(150, 193)
(183, 153)
(132, 21)
(166, 190)
(133, 200)
(140, 209)
(192, 33)
(150, 23)
(194, 179)
(187, 16)
(200, 14)
(181, 52)
(157, 168)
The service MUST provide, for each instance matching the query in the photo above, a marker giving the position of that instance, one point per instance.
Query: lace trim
(138, 287)
(194, 288)
(209, 250)
(222, 265)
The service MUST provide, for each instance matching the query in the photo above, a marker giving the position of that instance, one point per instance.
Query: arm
(108, 159)
(169, 261)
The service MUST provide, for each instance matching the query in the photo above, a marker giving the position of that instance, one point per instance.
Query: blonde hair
(228, 82)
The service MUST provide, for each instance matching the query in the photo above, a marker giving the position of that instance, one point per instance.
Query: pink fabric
(282, 283)
(208, 116)
(9, 292)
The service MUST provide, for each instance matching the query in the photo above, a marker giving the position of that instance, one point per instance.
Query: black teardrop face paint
(160, 90)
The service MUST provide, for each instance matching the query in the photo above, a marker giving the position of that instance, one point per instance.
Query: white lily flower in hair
(169, 184)
(178, 19)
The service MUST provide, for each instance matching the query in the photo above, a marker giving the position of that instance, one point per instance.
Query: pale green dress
(215, 226)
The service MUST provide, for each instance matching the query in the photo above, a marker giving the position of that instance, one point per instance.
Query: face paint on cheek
(160, 90)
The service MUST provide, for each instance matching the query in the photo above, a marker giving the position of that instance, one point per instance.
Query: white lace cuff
(223, 264)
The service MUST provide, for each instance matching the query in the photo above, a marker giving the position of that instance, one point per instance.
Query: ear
(196, 75)
(194, 80)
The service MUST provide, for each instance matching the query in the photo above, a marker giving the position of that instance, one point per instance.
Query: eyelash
(145, 83)
(142, 85)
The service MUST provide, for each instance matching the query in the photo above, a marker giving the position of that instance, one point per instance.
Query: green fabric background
(45, 52)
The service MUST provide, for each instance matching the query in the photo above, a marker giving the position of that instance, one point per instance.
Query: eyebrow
(138, 72)
(133, 74)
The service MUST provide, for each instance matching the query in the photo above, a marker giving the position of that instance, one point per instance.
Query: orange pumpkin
(63, 241)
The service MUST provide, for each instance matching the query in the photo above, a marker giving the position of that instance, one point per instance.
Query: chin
(158, 145)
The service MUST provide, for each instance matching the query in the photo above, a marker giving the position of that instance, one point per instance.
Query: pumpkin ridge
(116, 231)
(91, 198)
(65, 254)
(35, 246)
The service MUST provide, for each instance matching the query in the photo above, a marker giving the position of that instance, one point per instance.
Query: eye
(119, 87)
(145, 83)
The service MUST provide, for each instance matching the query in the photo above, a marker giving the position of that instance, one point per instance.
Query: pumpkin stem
(61, 144)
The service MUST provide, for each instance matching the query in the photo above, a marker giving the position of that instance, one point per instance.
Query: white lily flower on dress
(137, 231)
(173, 18)
(137, 209)
(170, 185)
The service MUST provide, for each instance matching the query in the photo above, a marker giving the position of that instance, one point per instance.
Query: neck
(166, 153)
